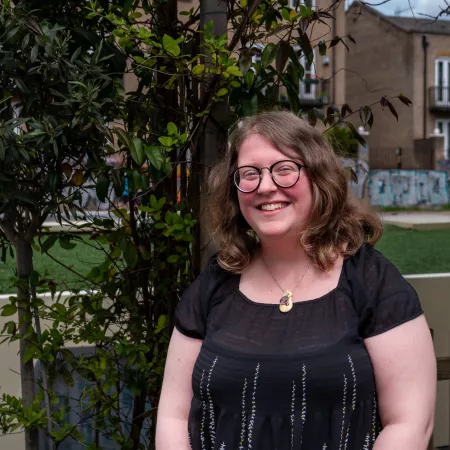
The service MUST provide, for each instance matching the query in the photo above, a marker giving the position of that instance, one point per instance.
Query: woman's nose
(267, 184)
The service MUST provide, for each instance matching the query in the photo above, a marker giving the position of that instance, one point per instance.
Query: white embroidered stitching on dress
(253, 415)
(374, 417)
(344, 401)
(352, 367)
(303, 415)
(202, 427)
(367, 442)
(292, 414)
(212, 422)
(244, 416)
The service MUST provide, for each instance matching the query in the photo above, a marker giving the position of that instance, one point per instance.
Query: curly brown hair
(337, 224)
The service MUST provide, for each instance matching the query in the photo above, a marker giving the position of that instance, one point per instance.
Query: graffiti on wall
(408, 187)
(361, 169)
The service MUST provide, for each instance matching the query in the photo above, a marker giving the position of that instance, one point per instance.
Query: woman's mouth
(273, 206)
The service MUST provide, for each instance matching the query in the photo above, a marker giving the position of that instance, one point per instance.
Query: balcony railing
(439, 98)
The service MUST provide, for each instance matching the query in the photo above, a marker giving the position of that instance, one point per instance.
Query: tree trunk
(24, 265)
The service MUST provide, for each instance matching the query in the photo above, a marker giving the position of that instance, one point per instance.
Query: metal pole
(425, 71)
(214, 137)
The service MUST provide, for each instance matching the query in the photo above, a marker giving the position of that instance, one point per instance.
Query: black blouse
(267, 380)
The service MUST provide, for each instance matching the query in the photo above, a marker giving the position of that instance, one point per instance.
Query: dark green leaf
(269, 54)
(9, 310)
(282, 56)
(170, 45)
(365, 113)
(345, 109)
(312, 118)
(12, 32)
(350, 38)
(130, 255)
(173, 259)
(357, 136)
(322, 48)
(137, 152)
(49, 243)
(303, 25)
(21, 85)
(305, 45)
(172, 129)
(383, 102)
(64, 242)
(392, 109)
(245, 61)
(127, 5)
(123, 136)
(2, 150)
(34, 53)
(155, 156)
(249, 79)
(405, 100)
(334, 41)
(102, 186)
(29, 354)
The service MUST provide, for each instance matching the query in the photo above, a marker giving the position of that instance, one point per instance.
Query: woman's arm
(176, 394)
(405, 374)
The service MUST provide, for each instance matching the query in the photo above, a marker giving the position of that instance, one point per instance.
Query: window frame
(443, 125)
(442, 97)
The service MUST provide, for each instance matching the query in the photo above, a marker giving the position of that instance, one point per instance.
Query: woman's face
(292, 205)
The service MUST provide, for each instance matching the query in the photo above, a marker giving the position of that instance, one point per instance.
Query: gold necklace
(286, 302)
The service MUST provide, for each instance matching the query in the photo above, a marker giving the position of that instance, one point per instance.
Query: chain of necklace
(286, 302)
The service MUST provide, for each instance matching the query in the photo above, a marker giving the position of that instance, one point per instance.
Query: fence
(418, 158)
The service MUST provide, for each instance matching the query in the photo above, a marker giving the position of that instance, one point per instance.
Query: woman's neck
(284, 252)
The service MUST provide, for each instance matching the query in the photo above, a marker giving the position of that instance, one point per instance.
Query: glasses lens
(246, 178)
(286, 173)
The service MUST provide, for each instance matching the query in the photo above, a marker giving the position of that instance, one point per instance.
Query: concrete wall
(433, 292)
(380, 63)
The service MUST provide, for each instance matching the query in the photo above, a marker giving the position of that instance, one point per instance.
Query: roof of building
(416, 24)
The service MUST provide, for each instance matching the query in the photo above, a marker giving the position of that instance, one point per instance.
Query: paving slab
(418, 220)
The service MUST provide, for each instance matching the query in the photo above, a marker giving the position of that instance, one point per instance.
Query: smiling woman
(298, 334)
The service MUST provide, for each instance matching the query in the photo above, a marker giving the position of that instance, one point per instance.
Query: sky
(402, 7)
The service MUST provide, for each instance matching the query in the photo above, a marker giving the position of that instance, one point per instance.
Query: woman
(298, 334)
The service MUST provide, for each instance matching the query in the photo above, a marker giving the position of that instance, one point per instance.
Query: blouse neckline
(313, 300)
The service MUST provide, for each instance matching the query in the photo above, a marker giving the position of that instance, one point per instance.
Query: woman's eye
(285, 169)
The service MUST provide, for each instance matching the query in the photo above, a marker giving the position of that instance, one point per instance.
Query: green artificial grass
(416, 251)
(411, 251)
(81, 259)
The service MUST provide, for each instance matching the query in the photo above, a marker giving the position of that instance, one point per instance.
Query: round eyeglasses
(284, 174)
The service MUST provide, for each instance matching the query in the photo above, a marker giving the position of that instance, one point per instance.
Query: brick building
(394, 55)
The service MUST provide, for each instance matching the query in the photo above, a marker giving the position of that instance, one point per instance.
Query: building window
(308, 86)
(443, 125)
(309, 3)
(442, 80)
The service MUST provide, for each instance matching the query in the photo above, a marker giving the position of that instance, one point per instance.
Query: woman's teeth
(273, 206)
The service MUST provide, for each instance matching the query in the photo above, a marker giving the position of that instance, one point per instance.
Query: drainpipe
(425, 44)
(333, 62)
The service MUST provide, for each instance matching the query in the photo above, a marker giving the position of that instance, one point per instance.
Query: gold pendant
(286, 302)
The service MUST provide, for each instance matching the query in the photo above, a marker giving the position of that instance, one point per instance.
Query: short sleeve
(192, 311)
(385, 299)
